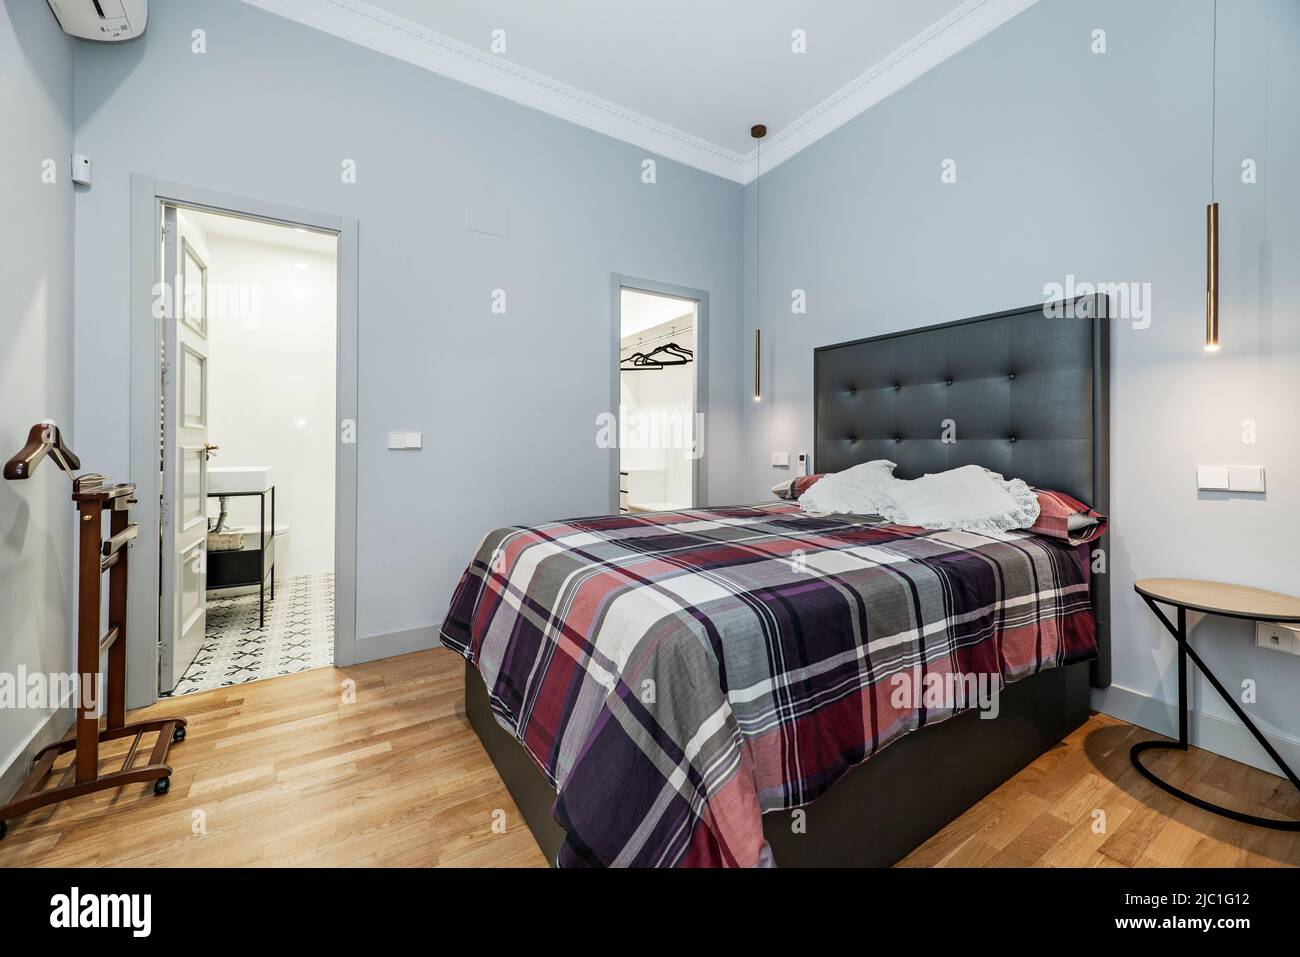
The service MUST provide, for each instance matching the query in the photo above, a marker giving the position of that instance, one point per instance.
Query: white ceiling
(640, 311)
(685, 79)
(711, 68)
(274, 234)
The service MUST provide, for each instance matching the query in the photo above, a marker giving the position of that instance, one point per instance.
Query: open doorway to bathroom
(659, 397)
(247, 442)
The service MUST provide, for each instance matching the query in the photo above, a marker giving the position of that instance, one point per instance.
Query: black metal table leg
(1184, 652)
(261, 550)
(261, 561)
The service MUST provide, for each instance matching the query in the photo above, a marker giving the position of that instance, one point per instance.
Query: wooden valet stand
(94, 496)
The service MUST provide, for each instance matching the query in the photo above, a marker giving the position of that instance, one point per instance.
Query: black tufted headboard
(1023, 392)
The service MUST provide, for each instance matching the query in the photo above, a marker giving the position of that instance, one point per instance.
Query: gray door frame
(147, 198)
(619, 282)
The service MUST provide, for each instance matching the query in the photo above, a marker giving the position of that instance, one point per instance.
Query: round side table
(1230, 601)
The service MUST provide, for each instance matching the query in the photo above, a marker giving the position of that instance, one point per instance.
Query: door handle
(209, 449)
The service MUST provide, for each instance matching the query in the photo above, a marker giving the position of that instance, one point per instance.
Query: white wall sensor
(81, 169)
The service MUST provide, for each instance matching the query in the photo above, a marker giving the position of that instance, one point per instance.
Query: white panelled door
(184, 525)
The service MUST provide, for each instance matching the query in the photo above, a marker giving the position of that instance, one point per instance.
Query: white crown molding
(371, 27)
(366, 25)
(958, 30)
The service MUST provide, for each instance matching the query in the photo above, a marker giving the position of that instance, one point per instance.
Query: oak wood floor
(377, 765)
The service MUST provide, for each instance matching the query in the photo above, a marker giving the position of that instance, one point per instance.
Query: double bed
(757, 685)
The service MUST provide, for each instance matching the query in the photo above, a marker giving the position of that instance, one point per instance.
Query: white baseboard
(394, 643)
(1207, 731)
(19, 763)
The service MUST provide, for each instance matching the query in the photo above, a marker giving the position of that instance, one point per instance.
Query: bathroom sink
(244, 478)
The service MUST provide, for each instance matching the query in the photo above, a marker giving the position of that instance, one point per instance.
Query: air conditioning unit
(108, 21)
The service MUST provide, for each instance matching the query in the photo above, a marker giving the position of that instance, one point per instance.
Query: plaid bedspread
(678, 674)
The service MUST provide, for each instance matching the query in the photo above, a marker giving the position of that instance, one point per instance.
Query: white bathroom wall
(272, 385)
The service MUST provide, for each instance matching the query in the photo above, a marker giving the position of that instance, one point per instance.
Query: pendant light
(758, 132)
(1212, 210)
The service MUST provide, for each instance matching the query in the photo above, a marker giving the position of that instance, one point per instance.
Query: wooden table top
(1221, 598)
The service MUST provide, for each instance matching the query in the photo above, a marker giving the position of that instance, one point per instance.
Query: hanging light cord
(758, 230)
(1214, 90)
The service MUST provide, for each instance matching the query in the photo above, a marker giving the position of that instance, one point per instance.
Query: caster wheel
(4, 829)
(162, 786)
(178, 735)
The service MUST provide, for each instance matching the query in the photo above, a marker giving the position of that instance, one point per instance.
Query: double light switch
(1230, 478)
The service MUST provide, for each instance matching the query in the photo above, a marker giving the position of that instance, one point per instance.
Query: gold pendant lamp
(1212, 210)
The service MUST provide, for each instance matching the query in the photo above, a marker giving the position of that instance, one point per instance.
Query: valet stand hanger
(43, 439)
(94, 496)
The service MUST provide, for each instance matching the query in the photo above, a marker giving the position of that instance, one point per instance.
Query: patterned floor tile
(299, 636)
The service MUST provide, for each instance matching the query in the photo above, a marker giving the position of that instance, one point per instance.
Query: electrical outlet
(1276, 636)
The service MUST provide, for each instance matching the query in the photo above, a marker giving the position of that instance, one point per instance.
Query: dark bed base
(881, 809)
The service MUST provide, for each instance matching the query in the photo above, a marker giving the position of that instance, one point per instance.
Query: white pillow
(859, 490)
(970, 498)
(1077, 520)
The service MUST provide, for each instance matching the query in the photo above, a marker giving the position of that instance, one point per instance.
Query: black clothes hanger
(640, 363)
(671, 354)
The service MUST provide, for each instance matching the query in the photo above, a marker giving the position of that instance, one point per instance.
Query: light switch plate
(405, 440)
(1246, 478)
(1212, 478)
(781, 460)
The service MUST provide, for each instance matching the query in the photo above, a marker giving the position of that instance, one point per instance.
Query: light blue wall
(1096, 165)
(507, 404)
(36, 260)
